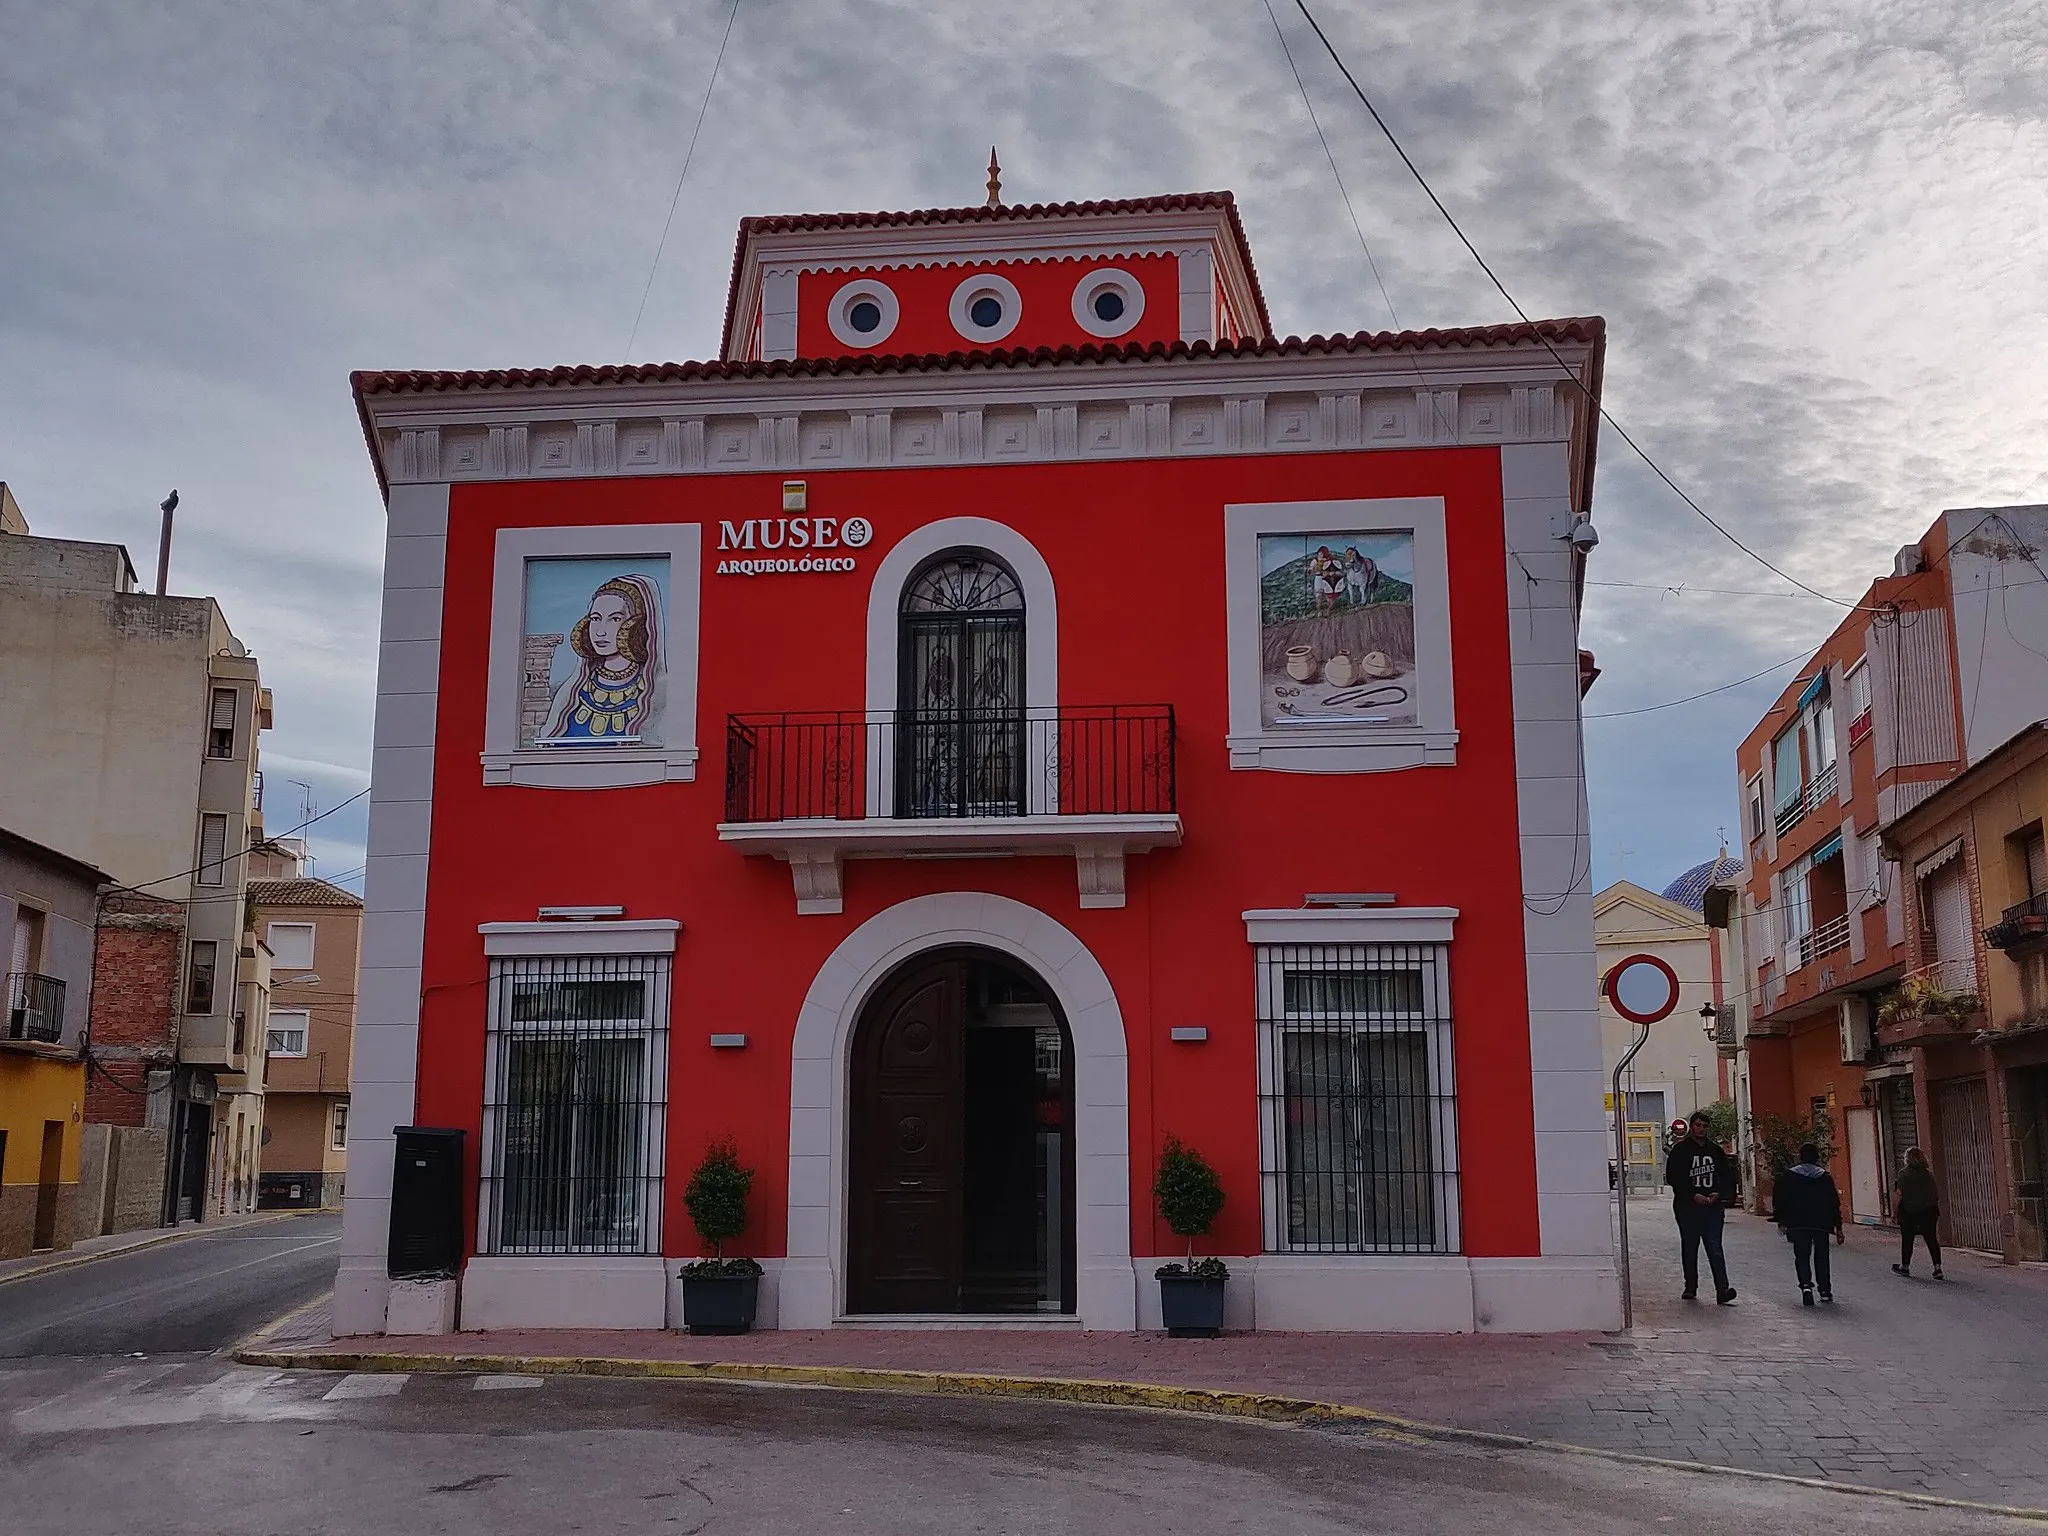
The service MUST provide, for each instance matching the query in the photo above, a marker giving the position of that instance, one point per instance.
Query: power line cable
(228, 858)
(1493, 277)
(1650, 709)
(689, 154)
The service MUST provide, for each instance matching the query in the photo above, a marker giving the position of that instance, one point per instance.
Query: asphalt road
(198, 1293)
(118, 1447)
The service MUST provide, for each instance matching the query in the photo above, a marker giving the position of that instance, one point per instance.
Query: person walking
(1702, 1180)
(1808, 1209)
(1919, 1210)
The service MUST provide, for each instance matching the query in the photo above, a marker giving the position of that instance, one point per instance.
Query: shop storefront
(1007, 710)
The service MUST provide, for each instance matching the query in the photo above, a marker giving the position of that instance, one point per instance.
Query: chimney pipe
(163, 548)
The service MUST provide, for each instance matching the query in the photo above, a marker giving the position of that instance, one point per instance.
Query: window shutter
(2037, 865)
(213, 847)
(223, 709)
(1948, 910)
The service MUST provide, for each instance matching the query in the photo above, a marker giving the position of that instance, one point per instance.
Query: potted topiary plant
(1189, 1195)
(719, 1293)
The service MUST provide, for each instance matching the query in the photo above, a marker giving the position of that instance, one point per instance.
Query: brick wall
(136, 971)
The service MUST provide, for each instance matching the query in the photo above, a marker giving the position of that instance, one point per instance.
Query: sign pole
(1628, 1312)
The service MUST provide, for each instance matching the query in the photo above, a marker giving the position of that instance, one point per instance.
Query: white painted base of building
(1282, 1293)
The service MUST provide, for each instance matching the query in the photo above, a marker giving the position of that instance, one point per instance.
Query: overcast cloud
(1819, 234)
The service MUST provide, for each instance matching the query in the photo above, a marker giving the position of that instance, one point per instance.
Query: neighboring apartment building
(1008, 709)
(1938, 663)
(128, 729)
(48, 904)
(1678, 1070)
(1972, 1024)
(314, 933)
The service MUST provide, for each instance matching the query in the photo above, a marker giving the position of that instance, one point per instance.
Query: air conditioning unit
(1852, 1016)
(26, 1024)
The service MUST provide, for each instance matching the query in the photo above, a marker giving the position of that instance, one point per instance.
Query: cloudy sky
(1819, 233)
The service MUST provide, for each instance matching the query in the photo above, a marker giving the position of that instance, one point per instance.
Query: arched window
(960, 692)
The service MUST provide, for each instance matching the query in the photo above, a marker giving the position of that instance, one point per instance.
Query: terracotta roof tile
(1588, 329)
(306, 892)
(981, 213)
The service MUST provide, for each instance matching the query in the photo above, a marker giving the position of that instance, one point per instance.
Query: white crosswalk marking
(500, 1383)
(365, 1385)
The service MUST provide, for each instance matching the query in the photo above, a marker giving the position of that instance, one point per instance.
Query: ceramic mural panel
(1337, 629)
(594, 664)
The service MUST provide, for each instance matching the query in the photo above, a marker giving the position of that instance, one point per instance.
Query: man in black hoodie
(1808, 1208)
(1702, 1180)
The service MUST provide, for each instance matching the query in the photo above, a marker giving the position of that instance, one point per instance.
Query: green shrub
(717, 1196)
(1187, 1191)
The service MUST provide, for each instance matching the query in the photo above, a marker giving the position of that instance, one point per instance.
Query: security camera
(1584, 537)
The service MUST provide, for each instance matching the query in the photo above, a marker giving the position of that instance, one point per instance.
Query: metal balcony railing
(849, 766)
(1825, 939)
(2022, 923)
(1789, 812)
(1823, 785)
(35, 1007)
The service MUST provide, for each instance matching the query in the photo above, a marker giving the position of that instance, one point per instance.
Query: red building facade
(1006, 711)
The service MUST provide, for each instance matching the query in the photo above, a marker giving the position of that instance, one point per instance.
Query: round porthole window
(863, 313)
(1108, 302)
(985, 308)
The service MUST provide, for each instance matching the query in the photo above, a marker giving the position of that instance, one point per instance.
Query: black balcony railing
(848, 766)
(35, 1007)
(2023, 923)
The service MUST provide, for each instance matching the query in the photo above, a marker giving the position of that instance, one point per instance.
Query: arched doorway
(960, 690)
(960, 1147)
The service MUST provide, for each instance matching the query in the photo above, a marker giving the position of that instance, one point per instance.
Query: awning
(1929, 865)
(1813, 689)
(1828, 849)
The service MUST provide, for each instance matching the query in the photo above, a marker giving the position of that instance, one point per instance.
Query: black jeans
(1699, 1224)
(1810, 1259)
(1914, 1224)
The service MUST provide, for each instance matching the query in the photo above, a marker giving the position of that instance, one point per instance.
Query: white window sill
(1343, 751)
(591, 767)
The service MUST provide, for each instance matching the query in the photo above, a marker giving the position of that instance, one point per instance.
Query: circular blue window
(986, 312)
(1108, 306)
(865, 316)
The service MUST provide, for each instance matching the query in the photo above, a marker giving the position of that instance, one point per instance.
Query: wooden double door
(960, 1155)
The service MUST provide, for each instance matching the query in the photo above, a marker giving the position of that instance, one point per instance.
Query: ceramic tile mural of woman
(1337, 628)
(606, 667)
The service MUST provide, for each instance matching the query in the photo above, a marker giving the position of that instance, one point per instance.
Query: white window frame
(277, 956)
(337, 1126)
(1759, 811)
(1354, 933)
(1433, 738)
(302, 1026)
(653, 942)
(674, 759)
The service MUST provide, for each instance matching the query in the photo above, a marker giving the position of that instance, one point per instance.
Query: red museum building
(1009, 708)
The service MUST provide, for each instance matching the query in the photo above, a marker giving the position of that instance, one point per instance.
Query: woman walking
(1919, 1211)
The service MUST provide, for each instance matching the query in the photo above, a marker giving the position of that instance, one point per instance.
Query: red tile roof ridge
(1582, 328)
(301, 891)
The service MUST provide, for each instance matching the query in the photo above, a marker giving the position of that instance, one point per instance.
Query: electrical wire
(228, 858)
(689, 154)
(1651, 709)
(1493, 277)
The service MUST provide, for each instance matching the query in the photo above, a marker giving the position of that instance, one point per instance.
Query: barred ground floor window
(575, 1104)
(1358, 1122)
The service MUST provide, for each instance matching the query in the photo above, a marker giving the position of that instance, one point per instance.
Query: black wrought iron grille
(1358, 1133)
(35, 1007)
(1112, 759)
(575, 1106)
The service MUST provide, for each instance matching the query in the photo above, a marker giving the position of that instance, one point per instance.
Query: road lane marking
(365, 1385)
(502, 1383)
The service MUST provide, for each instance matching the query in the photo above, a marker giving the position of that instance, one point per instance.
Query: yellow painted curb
(174, 1235)
(1214, 1402)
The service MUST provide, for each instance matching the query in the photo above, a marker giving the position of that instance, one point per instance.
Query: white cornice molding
(1190, 407)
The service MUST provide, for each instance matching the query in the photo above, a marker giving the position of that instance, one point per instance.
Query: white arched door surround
(885, 596)
(812, 1284)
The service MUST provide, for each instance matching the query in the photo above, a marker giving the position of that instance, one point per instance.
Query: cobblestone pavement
(1901, 1384)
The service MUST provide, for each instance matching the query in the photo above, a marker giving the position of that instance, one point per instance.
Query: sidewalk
(126, 1242)
(1901, 1385)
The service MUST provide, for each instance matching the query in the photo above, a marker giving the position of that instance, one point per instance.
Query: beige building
(313, 931)
(1678, 1069)
(128, 726)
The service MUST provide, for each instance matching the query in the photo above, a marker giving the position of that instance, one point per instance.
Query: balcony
(2021, 927)
(1824, 939)
(815, 789)
(1789, 813)
(1939, 1002)
(1859, 730)
(35, 1008)
(1823, 786)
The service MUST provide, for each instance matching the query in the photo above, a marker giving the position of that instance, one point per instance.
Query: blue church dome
(1690, 888)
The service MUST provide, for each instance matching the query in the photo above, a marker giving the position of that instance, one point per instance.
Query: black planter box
(719, 1303)
(1192, 1306)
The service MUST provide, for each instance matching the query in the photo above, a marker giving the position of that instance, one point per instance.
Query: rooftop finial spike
(995, 179)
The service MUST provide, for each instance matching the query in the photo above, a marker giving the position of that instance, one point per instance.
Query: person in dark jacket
(1919, 1209)
(1808, 1209)
(1702, 1180)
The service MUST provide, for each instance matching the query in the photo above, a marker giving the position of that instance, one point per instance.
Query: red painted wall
(1136, 552)
(1046, 289)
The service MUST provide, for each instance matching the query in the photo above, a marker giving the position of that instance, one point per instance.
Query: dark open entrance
(961, 1158)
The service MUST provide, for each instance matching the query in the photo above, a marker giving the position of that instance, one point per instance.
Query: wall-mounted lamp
(1709, 1015)
(728, 1042)
(1191, 1034)
(579, 914)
